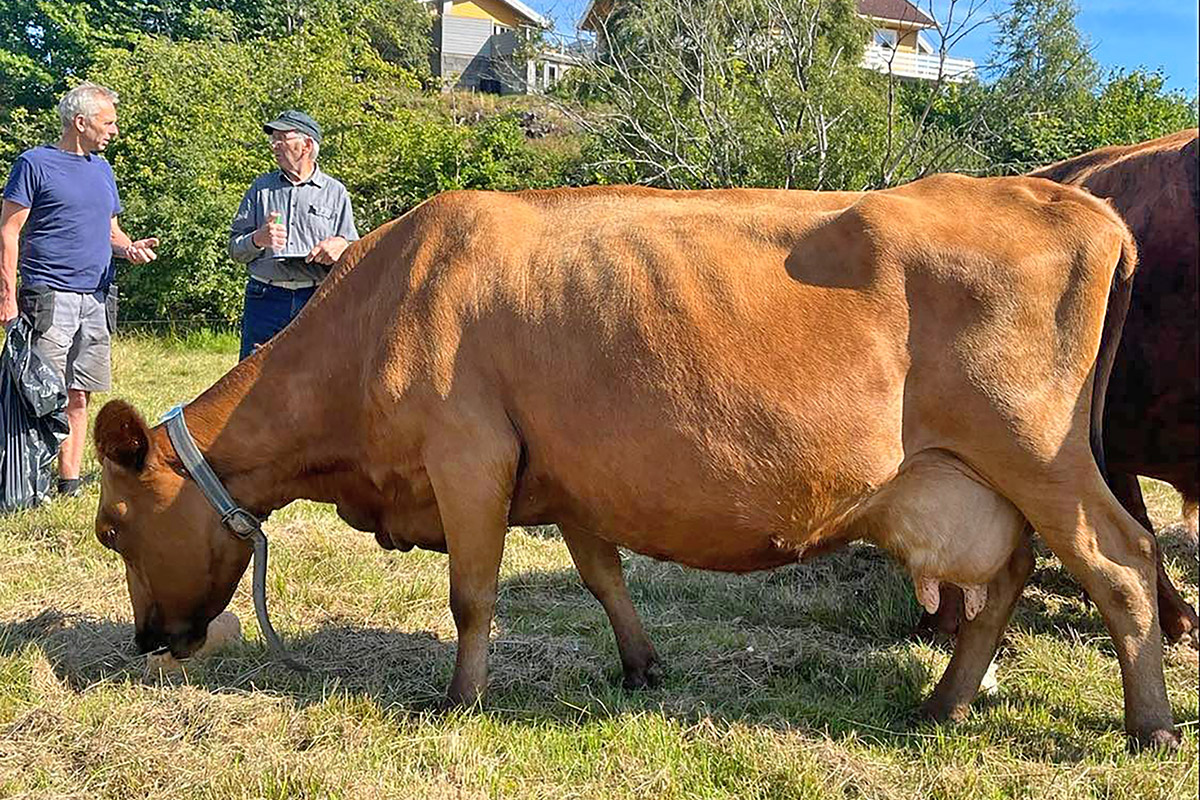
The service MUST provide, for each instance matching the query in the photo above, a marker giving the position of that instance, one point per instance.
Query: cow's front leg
(474, 567)
(472, 479)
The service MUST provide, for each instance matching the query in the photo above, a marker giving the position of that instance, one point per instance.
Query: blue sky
(1124, 33)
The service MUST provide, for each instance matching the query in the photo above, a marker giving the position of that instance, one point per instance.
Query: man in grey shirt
(292, 226)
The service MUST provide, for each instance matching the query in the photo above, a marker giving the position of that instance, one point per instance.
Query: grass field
(796, 683)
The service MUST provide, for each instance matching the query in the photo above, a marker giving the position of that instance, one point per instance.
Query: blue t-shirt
(71, 200)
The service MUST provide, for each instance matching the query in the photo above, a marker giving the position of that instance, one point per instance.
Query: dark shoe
(73, 487)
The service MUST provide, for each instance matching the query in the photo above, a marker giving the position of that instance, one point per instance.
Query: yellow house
(896, 46)
(475, 44)
(898, 24)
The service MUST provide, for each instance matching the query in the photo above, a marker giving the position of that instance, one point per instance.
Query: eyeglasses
(278, 141)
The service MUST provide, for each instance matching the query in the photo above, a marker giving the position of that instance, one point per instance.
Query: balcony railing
(925, 66)
(568, 48)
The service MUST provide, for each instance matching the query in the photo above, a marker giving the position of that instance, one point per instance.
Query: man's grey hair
(84, 100)
(315, 145)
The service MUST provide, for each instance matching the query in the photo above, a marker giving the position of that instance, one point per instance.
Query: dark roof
(900, 10)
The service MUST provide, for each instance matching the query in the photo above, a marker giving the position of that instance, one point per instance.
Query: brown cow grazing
(727, 379)
(1152, 408)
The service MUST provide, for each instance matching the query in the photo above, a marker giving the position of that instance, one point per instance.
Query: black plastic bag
(33, 421)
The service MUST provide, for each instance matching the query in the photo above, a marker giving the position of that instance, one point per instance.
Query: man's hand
(271, 235)
(328, 251)
(8, 311)
(141, 251)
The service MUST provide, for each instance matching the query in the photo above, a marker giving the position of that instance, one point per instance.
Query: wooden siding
(597, 14)
(467, 36)
(504, 44)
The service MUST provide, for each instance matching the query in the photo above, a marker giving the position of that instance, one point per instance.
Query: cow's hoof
(1181, 628)
(647, 677)
(941, 711)
(462, 698)
(1157, 739)
(449, 704)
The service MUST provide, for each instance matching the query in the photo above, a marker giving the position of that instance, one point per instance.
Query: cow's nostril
(183, 645)
(150, 641)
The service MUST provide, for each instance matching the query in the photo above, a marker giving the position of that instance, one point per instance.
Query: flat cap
(294, 121)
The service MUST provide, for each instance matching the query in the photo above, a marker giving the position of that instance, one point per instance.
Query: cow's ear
(122, 436)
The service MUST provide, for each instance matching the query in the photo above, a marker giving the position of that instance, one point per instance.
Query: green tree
(703, 93)
(1046, 100)
(1044, 56)
(1136, 106)
(1038, 107)
(45, 45)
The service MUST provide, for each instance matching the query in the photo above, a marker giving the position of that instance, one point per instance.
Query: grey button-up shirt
(311, 211)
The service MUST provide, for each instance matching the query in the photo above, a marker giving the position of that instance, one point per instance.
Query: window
(885, 38)
(498, 29)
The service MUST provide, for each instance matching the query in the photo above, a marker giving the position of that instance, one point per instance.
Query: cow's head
(181, 563)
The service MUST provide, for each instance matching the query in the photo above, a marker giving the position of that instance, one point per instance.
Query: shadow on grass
(757, 652)
(1179, 551)
(84, 650)
(868, 693)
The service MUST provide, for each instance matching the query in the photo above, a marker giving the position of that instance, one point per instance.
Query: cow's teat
(929, 595)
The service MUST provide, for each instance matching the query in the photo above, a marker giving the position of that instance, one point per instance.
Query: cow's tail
(1110, 339)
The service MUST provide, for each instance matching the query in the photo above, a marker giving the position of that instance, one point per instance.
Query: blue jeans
(268, 311)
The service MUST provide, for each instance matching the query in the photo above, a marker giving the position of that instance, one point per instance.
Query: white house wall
(470, 50)
(466, 36)
(504, 44)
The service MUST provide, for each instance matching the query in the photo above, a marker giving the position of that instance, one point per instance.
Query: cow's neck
(266, 432)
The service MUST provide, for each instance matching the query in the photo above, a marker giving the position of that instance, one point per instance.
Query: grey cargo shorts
(72, 333)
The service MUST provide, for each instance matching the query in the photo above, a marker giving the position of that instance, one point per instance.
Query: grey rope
(240, 522)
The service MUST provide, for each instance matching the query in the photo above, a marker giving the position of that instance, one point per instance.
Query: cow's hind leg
(1177, 617)
(1113, 557)
(599, 566)
(472, 473)
(1191, 512)
(977, 639)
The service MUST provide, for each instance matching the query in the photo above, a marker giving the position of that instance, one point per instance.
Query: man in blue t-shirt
(63, 197)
